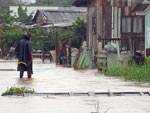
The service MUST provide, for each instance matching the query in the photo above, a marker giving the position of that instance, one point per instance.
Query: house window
(126, 25)
(137, 25)
(132, 24)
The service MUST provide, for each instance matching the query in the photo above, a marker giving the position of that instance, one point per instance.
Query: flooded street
(49, 78)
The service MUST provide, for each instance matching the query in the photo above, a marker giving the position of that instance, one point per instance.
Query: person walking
(24, 51)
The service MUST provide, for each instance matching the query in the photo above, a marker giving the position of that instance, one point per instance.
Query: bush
(117, 71)
(133, 72)
(17, 91)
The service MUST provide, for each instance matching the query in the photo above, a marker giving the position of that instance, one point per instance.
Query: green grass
(17, 91)
(132, 72)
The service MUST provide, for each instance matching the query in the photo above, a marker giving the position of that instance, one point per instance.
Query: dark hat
(27, 37)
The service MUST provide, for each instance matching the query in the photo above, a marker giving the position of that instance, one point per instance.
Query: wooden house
(118, 20)
(59, 17)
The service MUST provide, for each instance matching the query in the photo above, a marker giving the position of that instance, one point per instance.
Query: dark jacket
(24, 52)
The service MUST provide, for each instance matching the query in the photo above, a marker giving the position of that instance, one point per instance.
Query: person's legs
(29, 73)
(21, 74)
(29, 70)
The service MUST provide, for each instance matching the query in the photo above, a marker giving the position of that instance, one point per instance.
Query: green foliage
(76, 42)
(23, 17)
(79, 26)
(42, 39)
(69, 36)
(10, 33)
(133, 72)
(22, 14)
(10, 36)
(65, 34)
(117, 71)
(6, 18)
(17, 91)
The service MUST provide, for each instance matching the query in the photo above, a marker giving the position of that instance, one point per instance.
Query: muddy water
(51, 78)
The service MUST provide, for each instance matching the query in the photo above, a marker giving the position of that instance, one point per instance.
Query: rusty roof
(63, 16)
(140, 7)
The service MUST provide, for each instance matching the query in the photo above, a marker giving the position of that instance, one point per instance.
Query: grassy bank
(132, 72)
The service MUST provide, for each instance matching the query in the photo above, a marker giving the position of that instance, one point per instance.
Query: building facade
(147, 31)
(116, 19)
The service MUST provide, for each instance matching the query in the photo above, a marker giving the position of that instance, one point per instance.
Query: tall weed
(133, 72)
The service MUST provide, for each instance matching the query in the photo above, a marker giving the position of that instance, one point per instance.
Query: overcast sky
(32, 1)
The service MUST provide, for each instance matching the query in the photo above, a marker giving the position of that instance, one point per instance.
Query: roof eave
(80, 3)
(140, 7)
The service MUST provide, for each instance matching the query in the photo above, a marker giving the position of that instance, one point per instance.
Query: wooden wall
(107, 15)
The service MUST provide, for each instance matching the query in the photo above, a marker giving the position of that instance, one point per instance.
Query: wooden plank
(119, 23)
(75, 65)
(53, 54)
(115, 22)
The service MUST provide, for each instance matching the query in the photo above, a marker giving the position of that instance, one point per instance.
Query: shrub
(133, 72)
(17, 91)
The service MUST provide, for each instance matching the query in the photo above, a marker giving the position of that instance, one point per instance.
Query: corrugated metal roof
(57, 25)
(62, 15)
(140, 7)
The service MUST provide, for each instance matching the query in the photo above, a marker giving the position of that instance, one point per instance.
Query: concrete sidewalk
(49, 78)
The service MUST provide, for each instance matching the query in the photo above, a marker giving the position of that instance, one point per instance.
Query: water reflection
(26, 81)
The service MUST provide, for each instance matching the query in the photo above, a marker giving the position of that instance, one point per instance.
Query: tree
(42, 39)
(6, 19)
(79, 26)
(23, 17)
(10, 33)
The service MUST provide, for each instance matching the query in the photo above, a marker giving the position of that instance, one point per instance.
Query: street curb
(7, 69)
